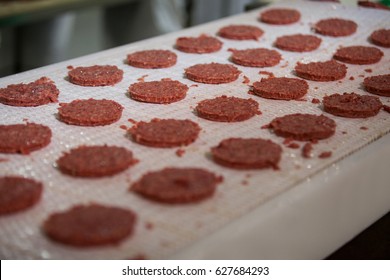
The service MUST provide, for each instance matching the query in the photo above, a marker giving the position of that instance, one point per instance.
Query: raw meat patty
(95, 161)
(40, 92)
(152, 59)
(379, 85)
(90, 225)
(164, 91)
(240, 32)
(23, 138)
(97, 75)
(358, 55)
(280, 16)
(303, 127)
(18, 193)
(352, 105)
(281, 88)
(212, 73)
(165, 133)
(259, 57)
(335, 27)
(298, 43)
(177, 185)
(381, 37)
(201, 44)
(250, 153)
(90, 112)
(227, 109)
(325, 71)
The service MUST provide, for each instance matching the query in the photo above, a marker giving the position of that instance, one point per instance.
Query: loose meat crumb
(269, 74)
(307, 150)
(293, 146)
(142, 78)
(132, 121)
(325, 154)
(315, 101)
(180, 152)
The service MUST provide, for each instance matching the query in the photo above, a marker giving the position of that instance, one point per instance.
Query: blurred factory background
(35, 33)
(71, 28)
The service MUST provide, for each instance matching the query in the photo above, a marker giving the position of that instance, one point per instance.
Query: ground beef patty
(298, 43)
(303, 127)
(280, 16)
(152, 59)
(95, 161)
(23, 138)
(164, 91)
(90, 112)
(40, 92)
(250, 153)
(201, 44)
(358, 55)
(177, 185)
(379, 85)
(321, 71)
(97, 75)
(381, 37)
(352, 105)
(212, 73)
(165, 133)
(368, 4)
(280, 88)
(227, 109)
(259, 57)
(90, 225)
(335, 27)
(18, 193)
(241, 32)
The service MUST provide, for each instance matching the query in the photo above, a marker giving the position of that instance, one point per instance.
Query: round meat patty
(298, 43)
(369, 4)
(90, 225)
(177, 185)
(321, 71)
(303, 127)
(227, 109)
(358, 55)
(250, 153)
(201, 44)
(241, 32)
(152, 59)
(281, 88)
(18, 193)
(379, 85)
(95, 161)
(335, 27)
(164, 91)
(23, 138)
(212, 73)
(40, 92)
(97, 75)
(280, 16)
(90, 112)
(259, 57)
(165, 133)
(381, 37)
(352, 105)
